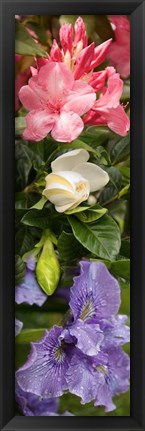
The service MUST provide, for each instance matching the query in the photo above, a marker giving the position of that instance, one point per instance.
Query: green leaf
(40, 204)
(121, 149)
(30, 335)
(92, 214)
(37, 218)
(20, 125)
(78, 144)
(125, 248)
(121, 268)
(96, 136)
(24, 43)
(77, 209)
(113, 186)
(125, 171)
(101, 238)
(23, 157)
(23, 242)
(19, 269)
(68, 247)
(124, 191)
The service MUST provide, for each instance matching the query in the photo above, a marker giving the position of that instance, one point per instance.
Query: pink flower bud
(55, 53)
(80, 32)
(66, 37)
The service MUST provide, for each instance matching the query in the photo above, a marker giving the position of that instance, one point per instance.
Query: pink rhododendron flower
(56, 102)
(119, 51)
(107, 109)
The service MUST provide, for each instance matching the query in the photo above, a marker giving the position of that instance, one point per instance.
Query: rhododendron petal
(69, 160)
(56, 79)
(39, 123)
(68, 127)
(55, 53)
(97, 80)
(34, 71)
(28, 98)
(118, 121)
(40, 61)
(40, 91)
(100, 53)
(83, 61)
(96, 176)
(80, 32)
(66, 35)
(80, 104)
(111, 98)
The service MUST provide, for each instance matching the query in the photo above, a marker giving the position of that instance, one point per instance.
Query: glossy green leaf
(121, 149)
(78, 144)
(102, 238)
(69, 248)
(24, 241)
(91, 214)
(19, 269)
(40, 204)
(121, 268)
(96, 135)
(37, 218)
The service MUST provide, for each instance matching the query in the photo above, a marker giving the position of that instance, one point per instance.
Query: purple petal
(29, 291)
(95, 294)
(88, 337)
(115, 332)
(44, 372)
(31, 262)
(113, 378)
(32, 405)
(18, 326)
(80, 377)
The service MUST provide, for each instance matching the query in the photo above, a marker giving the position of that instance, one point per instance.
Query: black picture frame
(136, 10)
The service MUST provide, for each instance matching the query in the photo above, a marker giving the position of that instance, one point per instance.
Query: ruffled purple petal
(32, 405)
(18, 327)
(44, 372)
(95, 294)
(29, 291)
(80, 377)
(116, 333)
(88, 337)
(113, 378)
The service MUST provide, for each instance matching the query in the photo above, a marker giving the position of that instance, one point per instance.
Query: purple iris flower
(18, 326)
(84, 356)
(29, 290)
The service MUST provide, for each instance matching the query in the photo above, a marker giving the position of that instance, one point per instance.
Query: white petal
(58, 181)
(63, 208)
(69, 160)
(58, 196)
(96, 176)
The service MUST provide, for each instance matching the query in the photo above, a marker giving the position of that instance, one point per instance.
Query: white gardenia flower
(72, 179)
